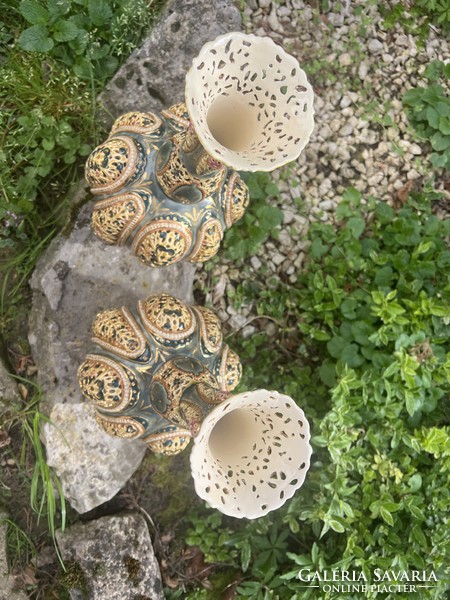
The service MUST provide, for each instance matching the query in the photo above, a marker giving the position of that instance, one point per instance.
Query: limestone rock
(154, 76)
(75, 278)
(7, 589)
(115, 556)
(109, 461)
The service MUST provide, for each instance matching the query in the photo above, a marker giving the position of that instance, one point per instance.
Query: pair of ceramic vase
(168, 187)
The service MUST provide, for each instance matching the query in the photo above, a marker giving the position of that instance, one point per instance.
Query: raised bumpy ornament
(168, 184)
(161, 373)
(158, 370)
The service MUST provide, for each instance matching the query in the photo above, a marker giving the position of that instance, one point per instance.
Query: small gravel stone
(346, 130)
(345, 60)
(255, 262)
(362, 71)
(413, 174)
(327, 205)
(288, 217)
(375, 46)
(277, 258)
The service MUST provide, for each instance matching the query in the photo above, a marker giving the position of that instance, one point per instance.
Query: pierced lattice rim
(202, 458)
(225, 155)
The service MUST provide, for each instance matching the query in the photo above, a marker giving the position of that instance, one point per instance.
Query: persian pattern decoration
(210, 330)
(163, 241)
(107, 384)
(167, 318)
(116, 330)
(234, 199)
(114, 164)
(114, 219)
(137, 122)
(157, 371)
(170, 440)
(123, 427)
(228, 369)
(208, 239)
(174, 175)
(159, 192)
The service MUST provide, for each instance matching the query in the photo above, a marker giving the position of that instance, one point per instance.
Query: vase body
(159, 192)
(157, 371)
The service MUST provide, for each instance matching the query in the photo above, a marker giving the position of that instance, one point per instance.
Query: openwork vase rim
(236, 160)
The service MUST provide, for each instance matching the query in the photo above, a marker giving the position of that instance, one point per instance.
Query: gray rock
(362, 71)
(345, 60)
(255, 262)
(375, 46)
(75, 278)
(115, 556)
(154, 76)
(7, 588)
(92, 465)
(346, 129)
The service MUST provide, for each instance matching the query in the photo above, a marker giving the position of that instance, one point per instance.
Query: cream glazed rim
(221, 152)
(258, 498)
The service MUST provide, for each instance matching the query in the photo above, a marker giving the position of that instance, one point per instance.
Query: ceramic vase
(161, 373)
(167, 185)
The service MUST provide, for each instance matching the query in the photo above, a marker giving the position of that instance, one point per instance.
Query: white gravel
(360, 71)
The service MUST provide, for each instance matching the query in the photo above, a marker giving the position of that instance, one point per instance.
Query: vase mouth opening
(231, 438)
(232, 122)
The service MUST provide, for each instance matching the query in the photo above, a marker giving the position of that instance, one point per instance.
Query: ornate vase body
(168, 184)
(162, 373)
(158, 371)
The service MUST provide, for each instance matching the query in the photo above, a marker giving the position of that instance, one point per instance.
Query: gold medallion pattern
(230, 369)
(174, 175)
(208, 241)
(122, 427)
(158, 371)
(167, 317)
(114, 219)
(179, 114)
(163, 241)
(111, 164)
(116, 330)
(162, 193)
(235, 199)
(169, 441)
(137, 122)
(210, 330)
(105, 383)
(169, 384)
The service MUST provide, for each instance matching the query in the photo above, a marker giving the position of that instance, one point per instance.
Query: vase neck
(186, 172)
(184, 391)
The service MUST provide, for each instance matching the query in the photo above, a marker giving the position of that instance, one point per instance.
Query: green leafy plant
(46, 494)
(428, 109)
(257, 225)
(87, 35)
(20, 546)
(362, 344)
(417, 16)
